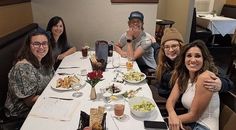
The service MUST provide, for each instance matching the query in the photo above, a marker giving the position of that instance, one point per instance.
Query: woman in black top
(60, 45)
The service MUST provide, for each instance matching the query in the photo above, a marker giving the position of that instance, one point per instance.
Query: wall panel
(13, 17)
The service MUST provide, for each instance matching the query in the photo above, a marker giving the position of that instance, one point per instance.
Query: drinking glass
(116, 62)
(76, 88)
(129, 64)
(119, 108)
(107, 99)
(84, 52)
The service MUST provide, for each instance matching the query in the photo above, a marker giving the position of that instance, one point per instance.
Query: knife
(61, 98)
(65, 73)
(68, 67)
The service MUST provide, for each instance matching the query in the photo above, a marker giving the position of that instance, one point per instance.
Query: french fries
(67, 81)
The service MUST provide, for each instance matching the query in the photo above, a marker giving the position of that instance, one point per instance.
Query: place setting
(69, 83)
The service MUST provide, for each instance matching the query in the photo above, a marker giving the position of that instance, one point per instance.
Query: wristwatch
(129, 40)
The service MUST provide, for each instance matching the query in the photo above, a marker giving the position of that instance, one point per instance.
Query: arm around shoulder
(227, 84)
(200, 101)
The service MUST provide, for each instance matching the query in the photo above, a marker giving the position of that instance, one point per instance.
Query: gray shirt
(25, 80)
(144, 41)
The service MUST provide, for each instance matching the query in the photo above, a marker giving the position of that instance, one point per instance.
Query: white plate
(82, 82)
(120, 86)
(135, 81)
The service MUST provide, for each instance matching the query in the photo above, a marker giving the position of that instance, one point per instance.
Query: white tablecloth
(217, 24)
(130, 123)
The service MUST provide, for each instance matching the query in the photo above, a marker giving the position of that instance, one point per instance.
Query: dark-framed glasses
(173, 47)
(38, 44)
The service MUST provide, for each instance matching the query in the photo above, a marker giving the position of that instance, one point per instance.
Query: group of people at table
(182, 70)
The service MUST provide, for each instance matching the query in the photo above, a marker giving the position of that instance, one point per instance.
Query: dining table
(57, 109)
(217, 24)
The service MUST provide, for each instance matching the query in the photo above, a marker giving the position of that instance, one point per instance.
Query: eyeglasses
(173, 47)
(38, 44)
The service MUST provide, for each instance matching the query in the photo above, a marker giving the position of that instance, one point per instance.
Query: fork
(114, 79)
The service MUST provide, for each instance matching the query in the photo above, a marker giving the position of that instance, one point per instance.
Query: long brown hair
(26, 53)
(162, 62)
(182, 73)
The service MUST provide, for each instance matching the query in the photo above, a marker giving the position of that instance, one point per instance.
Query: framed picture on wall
(10, 2)
(134, 1)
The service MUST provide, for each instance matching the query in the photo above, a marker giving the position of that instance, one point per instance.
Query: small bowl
(141, 112)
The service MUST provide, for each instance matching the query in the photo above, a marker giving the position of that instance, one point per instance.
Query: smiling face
(58, 29)
(39, 46)
(171, 49)
(193, 60)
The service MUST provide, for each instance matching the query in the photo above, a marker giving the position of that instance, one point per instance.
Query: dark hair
(181, 72)
(26, 53)
(62, 41)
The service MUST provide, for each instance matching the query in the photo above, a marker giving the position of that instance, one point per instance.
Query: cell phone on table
(160, 125)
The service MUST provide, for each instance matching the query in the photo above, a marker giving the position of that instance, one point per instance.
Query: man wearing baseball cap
(135, 44)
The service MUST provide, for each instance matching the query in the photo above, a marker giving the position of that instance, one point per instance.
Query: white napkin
(56, 109)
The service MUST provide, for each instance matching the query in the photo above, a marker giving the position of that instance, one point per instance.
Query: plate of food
(115, 89)
(65, 83)
(141, 106)
(134, 76)
(131, 93)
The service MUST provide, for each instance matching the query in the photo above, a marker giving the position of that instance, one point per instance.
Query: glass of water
(116, 62)
(76, 88)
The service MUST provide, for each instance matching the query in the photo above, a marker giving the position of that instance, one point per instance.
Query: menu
(56, 109)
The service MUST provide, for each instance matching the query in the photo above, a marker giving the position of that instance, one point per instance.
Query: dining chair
(161, 103)
(198, 32)
(160, 27)
(232, 64)
(150, 73)
(9, 123)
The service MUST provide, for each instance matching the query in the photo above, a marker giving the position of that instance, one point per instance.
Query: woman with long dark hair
(60, 45)
(171, 46)
(188, 77)
(30, 74)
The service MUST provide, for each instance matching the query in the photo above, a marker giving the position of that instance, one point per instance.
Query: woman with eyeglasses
(60, 45)
(30, 74)
(171, 45)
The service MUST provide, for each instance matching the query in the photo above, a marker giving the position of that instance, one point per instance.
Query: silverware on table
(68, 67)
(61, 73)
(61, 98)
(114, 79)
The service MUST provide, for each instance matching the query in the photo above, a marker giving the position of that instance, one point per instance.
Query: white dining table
(39, 119)
(217, 24)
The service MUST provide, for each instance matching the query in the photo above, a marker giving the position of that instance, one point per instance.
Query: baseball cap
(136, 14)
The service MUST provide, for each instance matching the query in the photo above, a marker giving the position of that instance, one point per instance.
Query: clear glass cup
(107, 99)
(76, 88)
(129, 64)
(84, 51)
(116, 62)
(83, 72)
